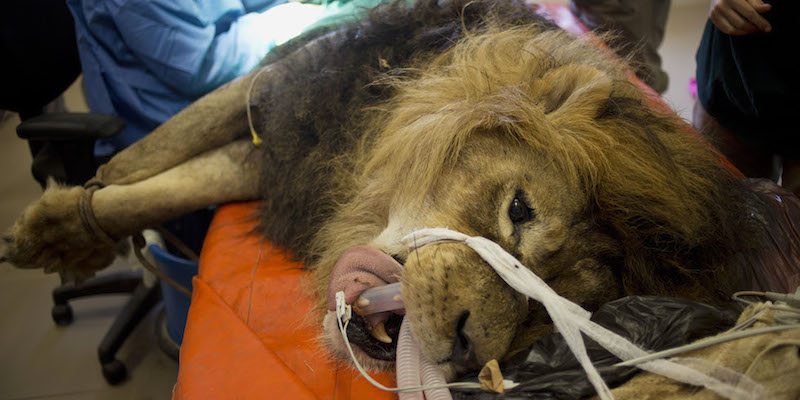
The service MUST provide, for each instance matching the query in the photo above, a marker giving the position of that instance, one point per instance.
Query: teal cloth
(343, 11)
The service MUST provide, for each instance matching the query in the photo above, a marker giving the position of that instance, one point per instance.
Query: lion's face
(539, 143)
(482, 170)
(462, 313)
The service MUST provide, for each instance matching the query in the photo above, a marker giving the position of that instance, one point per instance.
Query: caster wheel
(62, 314)
(114, 372)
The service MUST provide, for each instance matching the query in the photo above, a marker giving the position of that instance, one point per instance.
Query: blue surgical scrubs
(145, 60)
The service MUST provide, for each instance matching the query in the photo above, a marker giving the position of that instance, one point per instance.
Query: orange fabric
(250, 333)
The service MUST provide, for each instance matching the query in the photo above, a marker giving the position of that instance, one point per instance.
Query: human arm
(740, 17)
(193, 51)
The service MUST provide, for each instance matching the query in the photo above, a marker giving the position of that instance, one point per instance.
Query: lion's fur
(657, 205)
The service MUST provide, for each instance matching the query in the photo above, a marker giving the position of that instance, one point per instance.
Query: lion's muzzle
(461, 312)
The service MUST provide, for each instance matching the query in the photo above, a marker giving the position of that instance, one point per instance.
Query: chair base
(143, 300)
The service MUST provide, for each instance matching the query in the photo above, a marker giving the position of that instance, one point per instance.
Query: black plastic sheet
(550, 370)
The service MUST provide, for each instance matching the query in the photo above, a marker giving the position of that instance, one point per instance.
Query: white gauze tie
(571, 319)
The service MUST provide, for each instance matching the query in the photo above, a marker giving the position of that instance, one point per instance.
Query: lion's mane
(675, 213)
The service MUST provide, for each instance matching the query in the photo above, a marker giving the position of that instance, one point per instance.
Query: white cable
(706, 343)
(256, 138)
(344, 313)
(791, 300)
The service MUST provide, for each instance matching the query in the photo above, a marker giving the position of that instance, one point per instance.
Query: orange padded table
(250, 333)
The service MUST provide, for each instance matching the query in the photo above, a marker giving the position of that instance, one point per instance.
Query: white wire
(777, 307)
(256, 137)
(342, 312)
(710, 342)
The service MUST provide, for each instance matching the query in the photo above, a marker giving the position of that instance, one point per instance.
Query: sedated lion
(479, 116)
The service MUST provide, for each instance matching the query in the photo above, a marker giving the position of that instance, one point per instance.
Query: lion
(479, 116)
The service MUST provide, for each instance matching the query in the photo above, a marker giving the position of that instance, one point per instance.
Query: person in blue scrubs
(145, 60)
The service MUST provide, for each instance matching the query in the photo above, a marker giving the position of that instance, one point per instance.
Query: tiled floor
(39, 360)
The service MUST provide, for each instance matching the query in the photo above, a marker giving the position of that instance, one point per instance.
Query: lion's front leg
(58, 233)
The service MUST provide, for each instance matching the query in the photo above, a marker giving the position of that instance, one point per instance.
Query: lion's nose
(463, 348)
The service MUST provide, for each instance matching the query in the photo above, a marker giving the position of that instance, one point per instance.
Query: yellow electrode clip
(256, 138)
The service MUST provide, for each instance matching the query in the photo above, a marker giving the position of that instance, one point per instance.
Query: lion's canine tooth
(379, 332)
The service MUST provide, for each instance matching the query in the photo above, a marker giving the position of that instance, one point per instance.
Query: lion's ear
(573, 90)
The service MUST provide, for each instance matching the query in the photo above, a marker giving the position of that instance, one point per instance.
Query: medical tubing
(705, 343)
(380, 299)
(408, 362)
(432, 376)
(343, 315)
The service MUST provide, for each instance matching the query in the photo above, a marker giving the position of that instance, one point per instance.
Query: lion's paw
(50, 235)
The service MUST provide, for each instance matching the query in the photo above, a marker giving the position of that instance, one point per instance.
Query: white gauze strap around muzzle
(571, 319)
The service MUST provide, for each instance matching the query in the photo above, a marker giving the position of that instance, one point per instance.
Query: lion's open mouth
(358, 269)
(360, 334)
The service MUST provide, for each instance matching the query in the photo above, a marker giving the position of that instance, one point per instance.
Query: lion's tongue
(359, 269)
